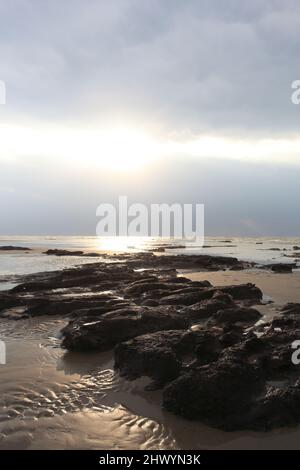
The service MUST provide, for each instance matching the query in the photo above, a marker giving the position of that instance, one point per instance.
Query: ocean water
(53, 399)
(259, 250)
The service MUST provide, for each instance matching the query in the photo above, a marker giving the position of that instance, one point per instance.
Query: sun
(122, 149)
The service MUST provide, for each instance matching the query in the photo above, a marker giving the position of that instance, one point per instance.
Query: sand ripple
(50, 398)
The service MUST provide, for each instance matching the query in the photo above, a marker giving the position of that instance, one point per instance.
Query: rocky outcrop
(14, 248)
(201, 343)
(59, 252)
(197, 262)
(237, 314)
(206, 308)
(242, 292)
(164, 354)
(119, 325)
(283, 267)
(236, 391)
(218, 394)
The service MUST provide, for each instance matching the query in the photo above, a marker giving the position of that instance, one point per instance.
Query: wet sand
(282, 288)
(55, 399)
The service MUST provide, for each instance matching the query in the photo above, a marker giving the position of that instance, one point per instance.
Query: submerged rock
(14, 248)
(59, 252)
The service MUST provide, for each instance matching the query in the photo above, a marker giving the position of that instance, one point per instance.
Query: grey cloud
(240, 198)
(204, 65)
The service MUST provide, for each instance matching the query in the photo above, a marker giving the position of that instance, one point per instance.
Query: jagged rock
(276, 407)
(205, 308)
(231, 335)
(237, 314)
(162, 355)
(242, 291)
(188, 298)
(205, 262)
(119, 325)
(151, 355)
(140, 287)
(217, 394)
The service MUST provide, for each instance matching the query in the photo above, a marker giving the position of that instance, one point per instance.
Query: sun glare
(115, 148)
(122, 149)
(129, 149)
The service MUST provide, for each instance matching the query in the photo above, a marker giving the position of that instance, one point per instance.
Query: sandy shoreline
(123, 410)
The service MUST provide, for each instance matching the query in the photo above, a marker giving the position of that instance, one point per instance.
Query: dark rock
(283, 267)
(188, 298)
(205, 262)
(162, 355)
(140, 287)
(58, 252)
(206, 308)
(277, 407)
(236, 268)
(14, 248)
(91, 306)
(150, 303)
(291, 309)
(151, 355)
(237, 314)
(225, 395)
(232, 334)
(118, 326)
(242, 291)
(8, 301)
(92, 255)
(217, 394)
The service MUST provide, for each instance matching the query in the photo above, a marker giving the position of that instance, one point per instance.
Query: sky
(163, 101)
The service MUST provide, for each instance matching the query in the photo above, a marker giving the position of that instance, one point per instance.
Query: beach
(56, 398)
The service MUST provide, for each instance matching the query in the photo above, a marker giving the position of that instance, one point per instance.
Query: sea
(257, 249)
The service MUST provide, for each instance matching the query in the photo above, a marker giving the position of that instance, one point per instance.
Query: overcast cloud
(178, 68)
(191, 64)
